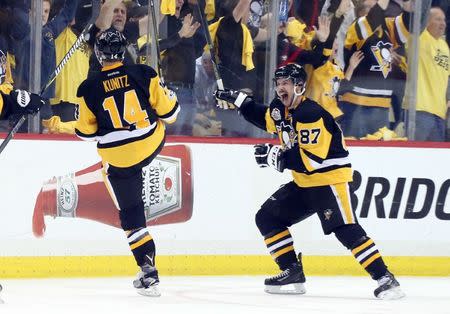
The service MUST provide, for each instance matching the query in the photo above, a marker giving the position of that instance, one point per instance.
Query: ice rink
(228, 294)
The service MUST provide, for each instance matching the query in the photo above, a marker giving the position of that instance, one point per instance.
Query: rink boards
(401, 192)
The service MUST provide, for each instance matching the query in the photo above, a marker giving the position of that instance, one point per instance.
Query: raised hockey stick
(200, 6)
(59, 67)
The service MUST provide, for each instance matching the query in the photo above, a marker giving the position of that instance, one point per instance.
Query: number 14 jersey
(124, 108)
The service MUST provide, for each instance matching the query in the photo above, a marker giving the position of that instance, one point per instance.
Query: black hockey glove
(25, 102)
(230, 99)
(268, 155)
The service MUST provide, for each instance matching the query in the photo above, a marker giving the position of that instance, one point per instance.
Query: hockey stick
(201, 4)
(59, 67)
(156, 38)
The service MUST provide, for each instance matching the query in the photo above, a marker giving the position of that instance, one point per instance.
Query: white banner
(401, 196)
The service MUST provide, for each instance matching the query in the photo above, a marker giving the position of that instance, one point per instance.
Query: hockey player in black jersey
(313, 148)
(125, 108)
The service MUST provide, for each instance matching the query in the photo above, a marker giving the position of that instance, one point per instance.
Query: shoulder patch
(276, 114)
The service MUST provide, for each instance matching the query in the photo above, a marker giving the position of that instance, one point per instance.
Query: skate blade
(152, 291)
(293, 288)
(391, 294)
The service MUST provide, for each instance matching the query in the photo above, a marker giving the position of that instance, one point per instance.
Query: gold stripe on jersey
(398, 33)
(360, 26)
(108, 184)
(270, 124)
(86, 126)
(134, 151)
(163, 100)
(342, 194)
(366, 100)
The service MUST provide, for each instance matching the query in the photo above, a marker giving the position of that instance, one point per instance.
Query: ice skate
(147, 282)
(289, 281)
(388, 288)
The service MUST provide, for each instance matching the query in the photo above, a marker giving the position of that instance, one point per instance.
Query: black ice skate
(147, 281)
(289, 281)
(388, 288)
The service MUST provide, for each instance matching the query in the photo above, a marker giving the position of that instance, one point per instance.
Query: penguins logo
(288, 135)
(382, 53)
(334, 87)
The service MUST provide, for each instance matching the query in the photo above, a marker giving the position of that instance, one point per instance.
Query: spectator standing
(50, 31)
(72, 74)
(178, 64)
(367, 102)
(433, 73)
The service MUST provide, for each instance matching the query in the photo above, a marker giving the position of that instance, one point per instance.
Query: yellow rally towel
(168, 7)
(384, 134)
(299, 37)
(295, 28)
(247, 49)
(210, 9)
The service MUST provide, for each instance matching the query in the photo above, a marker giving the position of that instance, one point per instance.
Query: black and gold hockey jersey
(375, 36)
(314, 147)
(123, 108)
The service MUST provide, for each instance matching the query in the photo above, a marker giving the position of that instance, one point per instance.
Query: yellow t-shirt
(433, 75)
(324, 85)
(74, 72)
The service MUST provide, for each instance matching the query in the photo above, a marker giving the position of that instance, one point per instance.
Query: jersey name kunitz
(115, 83)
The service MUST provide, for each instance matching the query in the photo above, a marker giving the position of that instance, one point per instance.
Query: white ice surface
(227, 294)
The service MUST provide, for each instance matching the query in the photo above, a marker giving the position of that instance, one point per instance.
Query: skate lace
(282, 274)
(384, 280)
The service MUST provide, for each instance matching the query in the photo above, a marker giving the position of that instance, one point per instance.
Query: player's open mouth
(284, 96)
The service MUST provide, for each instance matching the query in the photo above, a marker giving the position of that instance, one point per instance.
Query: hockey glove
(229, 99)
(268, 155)
(25, 102)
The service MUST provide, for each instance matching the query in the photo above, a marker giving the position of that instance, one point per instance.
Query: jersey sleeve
(258, 115)
(363, 27)
(86, 126)
(398, 29)
(163, 100)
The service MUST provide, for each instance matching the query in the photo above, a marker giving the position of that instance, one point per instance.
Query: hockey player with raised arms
(313, 148)
(125, 108)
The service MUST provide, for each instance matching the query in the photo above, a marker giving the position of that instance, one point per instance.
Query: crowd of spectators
(358, 71)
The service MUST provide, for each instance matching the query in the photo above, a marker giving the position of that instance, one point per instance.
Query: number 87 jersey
(315, 150)
(124, 108)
